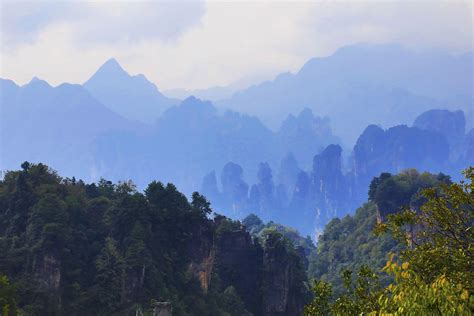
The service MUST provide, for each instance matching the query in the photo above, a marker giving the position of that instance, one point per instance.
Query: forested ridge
(302, 172)
(421, 225)
(68, 247)
(350, 242)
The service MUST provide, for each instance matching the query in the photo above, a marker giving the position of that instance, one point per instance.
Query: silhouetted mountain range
(191, 139)
(54, 124)
(133, 97)
(121, 127)
(364, 84)
(307, 198)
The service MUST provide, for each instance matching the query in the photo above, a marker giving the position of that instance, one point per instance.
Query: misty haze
(236, 158)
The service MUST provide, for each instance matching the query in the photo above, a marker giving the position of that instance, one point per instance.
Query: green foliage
(319, 306)
(436, 276)
(232, 302)
(348, 244)
(225, 225)
(100, 249)
(413, 294)
(392, 193)
(255, 226)
(440, 233)
(110, 277)
(360, 296)
(8, 304)
(201, 204)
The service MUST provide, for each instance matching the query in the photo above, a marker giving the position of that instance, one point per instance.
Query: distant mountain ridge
(307, 198)
(364, 84)
(182, 145)
(121, 127)
(193, 138)
(53, 124)
(133, 97)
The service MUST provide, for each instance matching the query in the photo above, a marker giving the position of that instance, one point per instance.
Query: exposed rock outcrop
(329, 187)
(269, 279)
(49, 273)
(288, 173)
(234, 189)
(162, 309)
(239, 264)
(282, 279)
(451, 125)
(201, 251)
(305, 135)
(393, 150)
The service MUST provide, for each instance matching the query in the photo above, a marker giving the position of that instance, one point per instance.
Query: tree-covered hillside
(429, 272)
(350, 242)
(67, 247)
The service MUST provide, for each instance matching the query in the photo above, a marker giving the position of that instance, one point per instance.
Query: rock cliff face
(329, 185)
(399, 148)
(102, 249)
(368, 149)
(305, 135)
(201, 252)
(162, 309)
(209, 186)
(288, 173)
(234, 188)
(307, 197)
(282, 278)
(393, 150)
(268, 278)
(239, 264)
(451, 125)
(48, 274)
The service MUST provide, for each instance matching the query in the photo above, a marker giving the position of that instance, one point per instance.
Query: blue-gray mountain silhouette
(364, 84)
(54, 125)
(298, 168)
(133, 97)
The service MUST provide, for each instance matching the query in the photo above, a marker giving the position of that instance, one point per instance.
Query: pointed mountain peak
(193, 105)
(191, 99)
(110, 73)
(111, 66)
(193, 102)
(37, 81)
(111, 62)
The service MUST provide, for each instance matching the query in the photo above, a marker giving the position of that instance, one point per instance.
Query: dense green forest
(427, 237)
(350, 242)
(67, 247)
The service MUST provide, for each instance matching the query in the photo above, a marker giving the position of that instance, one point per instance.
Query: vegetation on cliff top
(432, 273)
(67, 247)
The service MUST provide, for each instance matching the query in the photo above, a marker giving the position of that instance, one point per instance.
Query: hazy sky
(200, 44)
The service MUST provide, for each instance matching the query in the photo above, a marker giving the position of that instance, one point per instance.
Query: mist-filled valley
(342, 188)
(389, 118)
